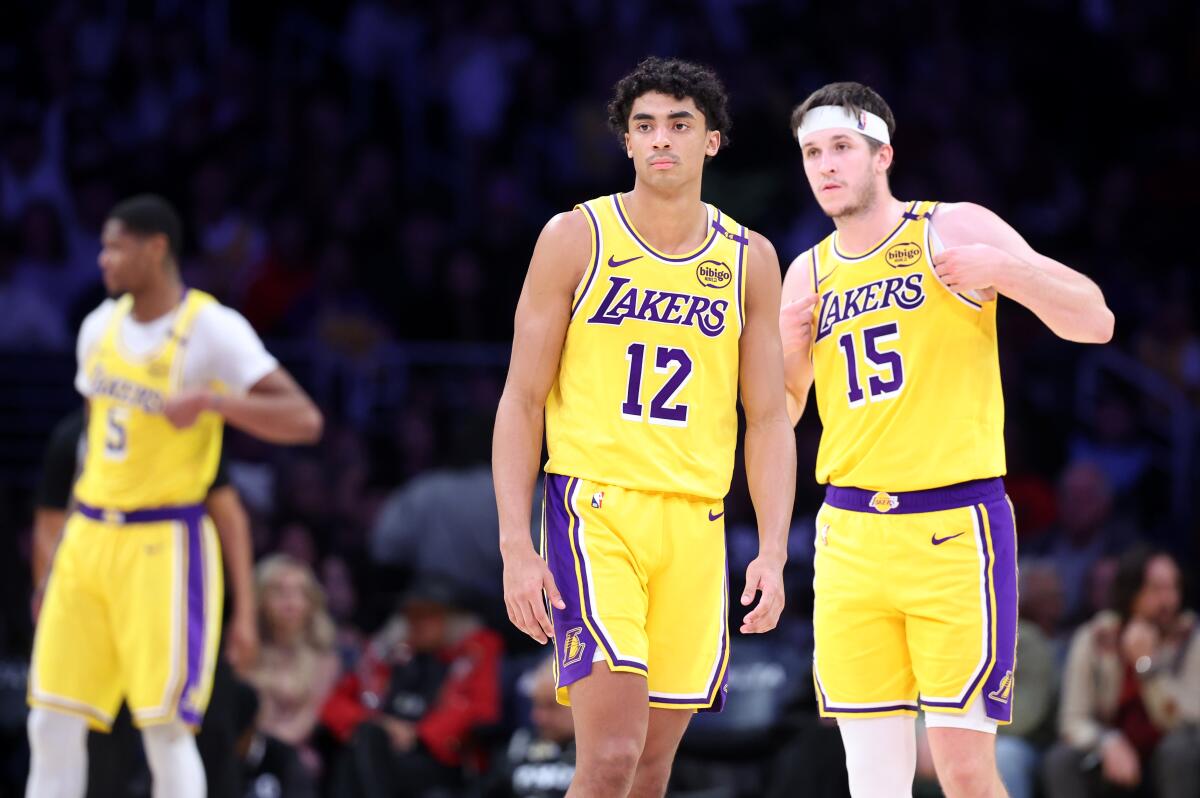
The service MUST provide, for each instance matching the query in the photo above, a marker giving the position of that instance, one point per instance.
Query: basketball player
(893, 317)
(132, 605)
(114, 759)
(642, 316)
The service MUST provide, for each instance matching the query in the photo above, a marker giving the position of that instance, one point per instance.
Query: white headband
(828, 117)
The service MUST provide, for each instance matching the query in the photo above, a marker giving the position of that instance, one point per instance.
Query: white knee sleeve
(881, 756)
(174, 761)
(57, 755)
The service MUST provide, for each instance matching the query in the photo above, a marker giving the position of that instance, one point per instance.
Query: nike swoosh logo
(614, 263)
(828, 274)
(712, 517)
(939, 541)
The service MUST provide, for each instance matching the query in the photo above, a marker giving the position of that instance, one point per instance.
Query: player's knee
(967, 777)
(614, 760)
(166, 742)
(49, 730)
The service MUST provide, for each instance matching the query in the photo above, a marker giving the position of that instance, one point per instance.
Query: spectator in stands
(297, 664)
(428, 680)
(540, 760)
(1087, 530)
(1131, 691)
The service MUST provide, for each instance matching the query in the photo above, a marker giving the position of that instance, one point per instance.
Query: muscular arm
(540, 327)
(275, 409)
(233, 526)
(770, 442)
(796, 331)
(983, 251)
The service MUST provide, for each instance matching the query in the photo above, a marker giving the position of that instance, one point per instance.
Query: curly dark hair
(679, 79)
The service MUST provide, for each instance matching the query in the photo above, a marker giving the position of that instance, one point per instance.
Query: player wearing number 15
(132, 608)
(893, 317)
(642, 316)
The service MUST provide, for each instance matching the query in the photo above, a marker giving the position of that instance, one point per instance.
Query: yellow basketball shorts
(132, 611)
(644, 579)
(915, 601)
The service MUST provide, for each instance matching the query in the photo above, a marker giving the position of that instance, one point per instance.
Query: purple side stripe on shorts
(195, 598)
(574, 644)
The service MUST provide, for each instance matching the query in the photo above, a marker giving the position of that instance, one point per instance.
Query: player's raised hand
(974, 267)
(766, 577)
(796, 320)
(526, 575)
(185, 407)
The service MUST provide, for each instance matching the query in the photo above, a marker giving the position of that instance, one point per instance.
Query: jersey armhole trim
(742, 269)
(589, 274)
(930, 236)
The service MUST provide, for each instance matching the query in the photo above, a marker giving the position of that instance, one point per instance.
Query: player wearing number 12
(132, 609)
(642, 316)
(894, 318)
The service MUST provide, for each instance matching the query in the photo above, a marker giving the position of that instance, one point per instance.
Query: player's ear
(158, 245)
(628, 149)
(883, 158)
(713, 144)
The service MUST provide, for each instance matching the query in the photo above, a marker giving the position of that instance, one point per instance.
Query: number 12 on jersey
(669, 360)
(881, 360)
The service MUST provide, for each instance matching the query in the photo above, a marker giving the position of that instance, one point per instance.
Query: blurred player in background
(114, 760)
(642, 316)
(132, 604)
(893, 317)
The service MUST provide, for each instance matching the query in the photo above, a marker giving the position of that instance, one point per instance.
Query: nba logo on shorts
(573, 647)
(882, 502)
(598, 499)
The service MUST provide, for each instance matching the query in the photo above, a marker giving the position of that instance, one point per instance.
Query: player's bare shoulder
(563, 249)
(962, 223)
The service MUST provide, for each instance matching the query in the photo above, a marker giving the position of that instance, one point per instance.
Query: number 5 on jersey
(116, 439)
(669, 360)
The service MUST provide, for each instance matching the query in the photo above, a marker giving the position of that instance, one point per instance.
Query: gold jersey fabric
(646, 394)
(906, 372)
(136, 458)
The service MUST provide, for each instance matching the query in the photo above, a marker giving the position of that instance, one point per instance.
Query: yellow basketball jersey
(907, 372)
(646, 395)
(135, 458)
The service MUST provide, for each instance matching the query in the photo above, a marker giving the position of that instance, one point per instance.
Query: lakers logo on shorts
(1004, 691)
(883, 502)
(573, 647)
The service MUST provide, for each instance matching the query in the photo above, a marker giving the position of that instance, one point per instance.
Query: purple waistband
(964, 494)
(190, 513)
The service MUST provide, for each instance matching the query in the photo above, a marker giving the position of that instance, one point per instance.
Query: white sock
(174, 761)
(881, 755)
(57, 755)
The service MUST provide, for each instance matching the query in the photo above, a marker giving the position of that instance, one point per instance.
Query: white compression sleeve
(881, 756)
(57, 755)
(174, 761)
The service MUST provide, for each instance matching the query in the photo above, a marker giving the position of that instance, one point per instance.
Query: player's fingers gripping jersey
(916, 601)
(610, 549)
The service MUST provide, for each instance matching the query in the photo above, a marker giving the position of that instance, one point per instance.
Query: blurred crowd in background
(365, 180)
